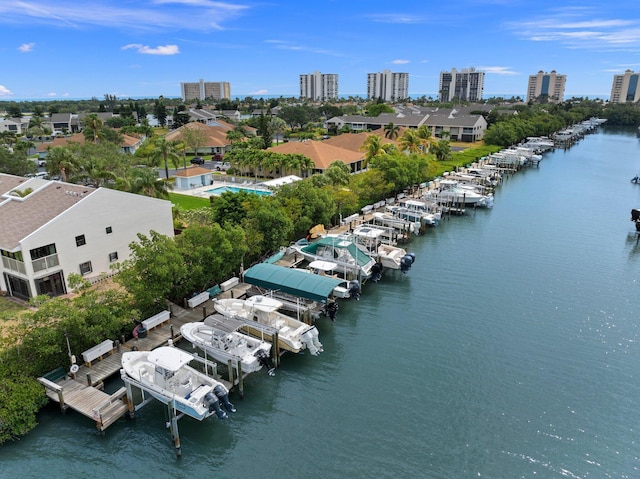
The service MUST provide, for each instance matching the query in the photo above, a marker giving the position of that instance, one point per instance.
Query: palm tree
(164, 150)
(144, 181)
(92, 127)
(372, 147)
(409, 141)
(391, 131)
(425, 138)
(62, 160)
(234, 135)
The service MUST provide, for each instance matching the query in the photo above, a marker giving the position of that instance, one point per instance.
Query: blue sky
(145, 48)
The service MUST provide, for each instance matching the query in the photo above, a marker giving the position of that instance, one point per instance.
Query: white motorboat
(451, 192)
(389, 256)
(342, 250)
(293, 335)
(166, 375)
(226, 344)
(428, 214)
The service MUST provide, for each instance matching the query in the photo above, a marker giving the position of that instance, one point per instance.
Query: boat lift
(173, 415)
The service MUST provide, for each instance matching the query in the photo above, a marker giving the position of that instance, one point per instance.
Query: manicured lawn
(187, 202)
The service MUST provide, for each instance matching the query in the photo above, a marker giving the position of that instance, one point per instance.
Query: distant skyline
(57, 49)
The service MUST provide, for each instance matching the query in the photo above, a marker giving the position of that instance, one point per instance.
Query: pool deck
(202, 191)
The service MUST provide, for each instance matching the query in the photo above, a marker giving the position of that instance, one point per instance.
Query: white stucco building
(49, 229)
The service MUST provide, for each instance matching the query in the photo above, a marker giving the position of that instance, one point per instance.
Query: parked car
(198, 160)
(221, 165)
(217, 157)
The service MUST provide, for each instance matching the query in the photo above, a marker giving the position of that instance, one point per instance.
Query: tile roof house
(49, 229)
(130, 143)
(62, 122)
(322, 154)
(214, 135)
(461, 124)
(355, 141)
(192, 177)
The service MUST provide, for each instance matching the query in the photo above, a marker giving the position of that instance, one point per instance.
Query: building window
(113, 256)
(109, 230)
(85, 268)
(80, 240)
(43, 251)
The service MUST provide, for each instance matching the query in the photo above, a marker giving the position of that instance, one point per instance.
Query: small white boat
(293, 335)
(348, 289)
(451, 192)
(166, 375)
(226, 345)
(389, 256)
(342, 250)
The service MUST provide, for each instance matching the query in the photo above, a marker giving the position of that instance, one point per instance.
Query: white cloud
(159, 50)
(4, 91)
(52, 94)
(401, 18)
(26, 47)
(498, 70)
(142, 15)
(400, 62)
(581, 28)
(259, 92)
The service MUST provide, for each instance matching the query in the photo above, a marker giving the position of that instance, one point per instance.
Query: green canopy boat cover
(292, 281)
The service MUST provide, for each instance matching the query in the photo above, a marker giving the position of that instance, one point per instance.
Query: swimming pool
(235, 189)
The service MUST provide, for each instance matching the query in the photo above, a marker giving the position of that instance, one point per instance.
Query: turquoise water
(234, 189)
(510, 350)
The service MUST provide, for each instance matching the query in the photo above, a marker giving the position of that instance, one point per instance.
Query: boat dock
(81, 389)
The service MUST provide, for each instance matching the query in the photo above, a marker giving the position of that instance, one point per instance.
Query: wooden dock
(89, 401)
(82, 391)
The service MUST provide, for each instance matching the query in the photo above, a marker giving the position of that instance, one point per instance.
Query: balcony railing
(13, 265)
(47, 262)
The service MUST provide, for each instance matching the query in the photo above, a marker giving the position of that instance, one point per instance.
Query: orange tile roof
(354, 141)
(193, 171)
(320, 152)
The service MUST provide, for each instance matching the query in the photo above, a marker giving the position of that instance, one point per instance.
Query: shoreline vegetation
(239, 227)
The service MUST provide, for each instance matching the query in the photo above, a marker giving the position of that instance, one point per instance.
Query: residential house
(49, 229)
(62, 122)
(192, 177)
(14, 125)
(130, 143)
(213, 136)
(322, 154)
(461, 124)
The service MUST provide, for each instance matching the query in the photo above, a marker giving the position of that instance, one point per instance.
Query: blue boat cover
(292, 281)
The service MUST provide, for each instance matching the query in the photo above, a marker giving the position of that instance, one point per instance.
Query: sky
(60, 49)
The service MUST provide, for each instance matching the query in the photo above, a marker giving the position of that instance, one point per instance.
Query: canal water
(510, 350)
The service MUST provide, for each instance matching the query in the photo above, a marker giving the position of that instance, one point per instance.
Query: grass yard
(187, 202)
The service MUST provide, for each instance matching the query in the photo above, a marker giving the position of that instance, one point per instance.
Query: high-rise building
(203, 90)
(467, 85)
(546, 87)
(625, 88)
(319, 86)
(388, 86)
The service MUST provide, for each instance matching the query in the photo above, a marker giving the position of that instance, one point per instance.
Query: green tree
(391, 131)
(164, 150)
(61, 160)
(154, 271)
(92, 130)
(160, 111)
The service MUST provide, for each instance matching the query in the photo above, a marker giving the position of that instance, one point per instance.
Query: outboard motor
(406, 262)
(635, 215)
(213, 403)
(311, 341)
(332, 310)
(223, 395)
(266, 362)
(376, 272)
(354, 289)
